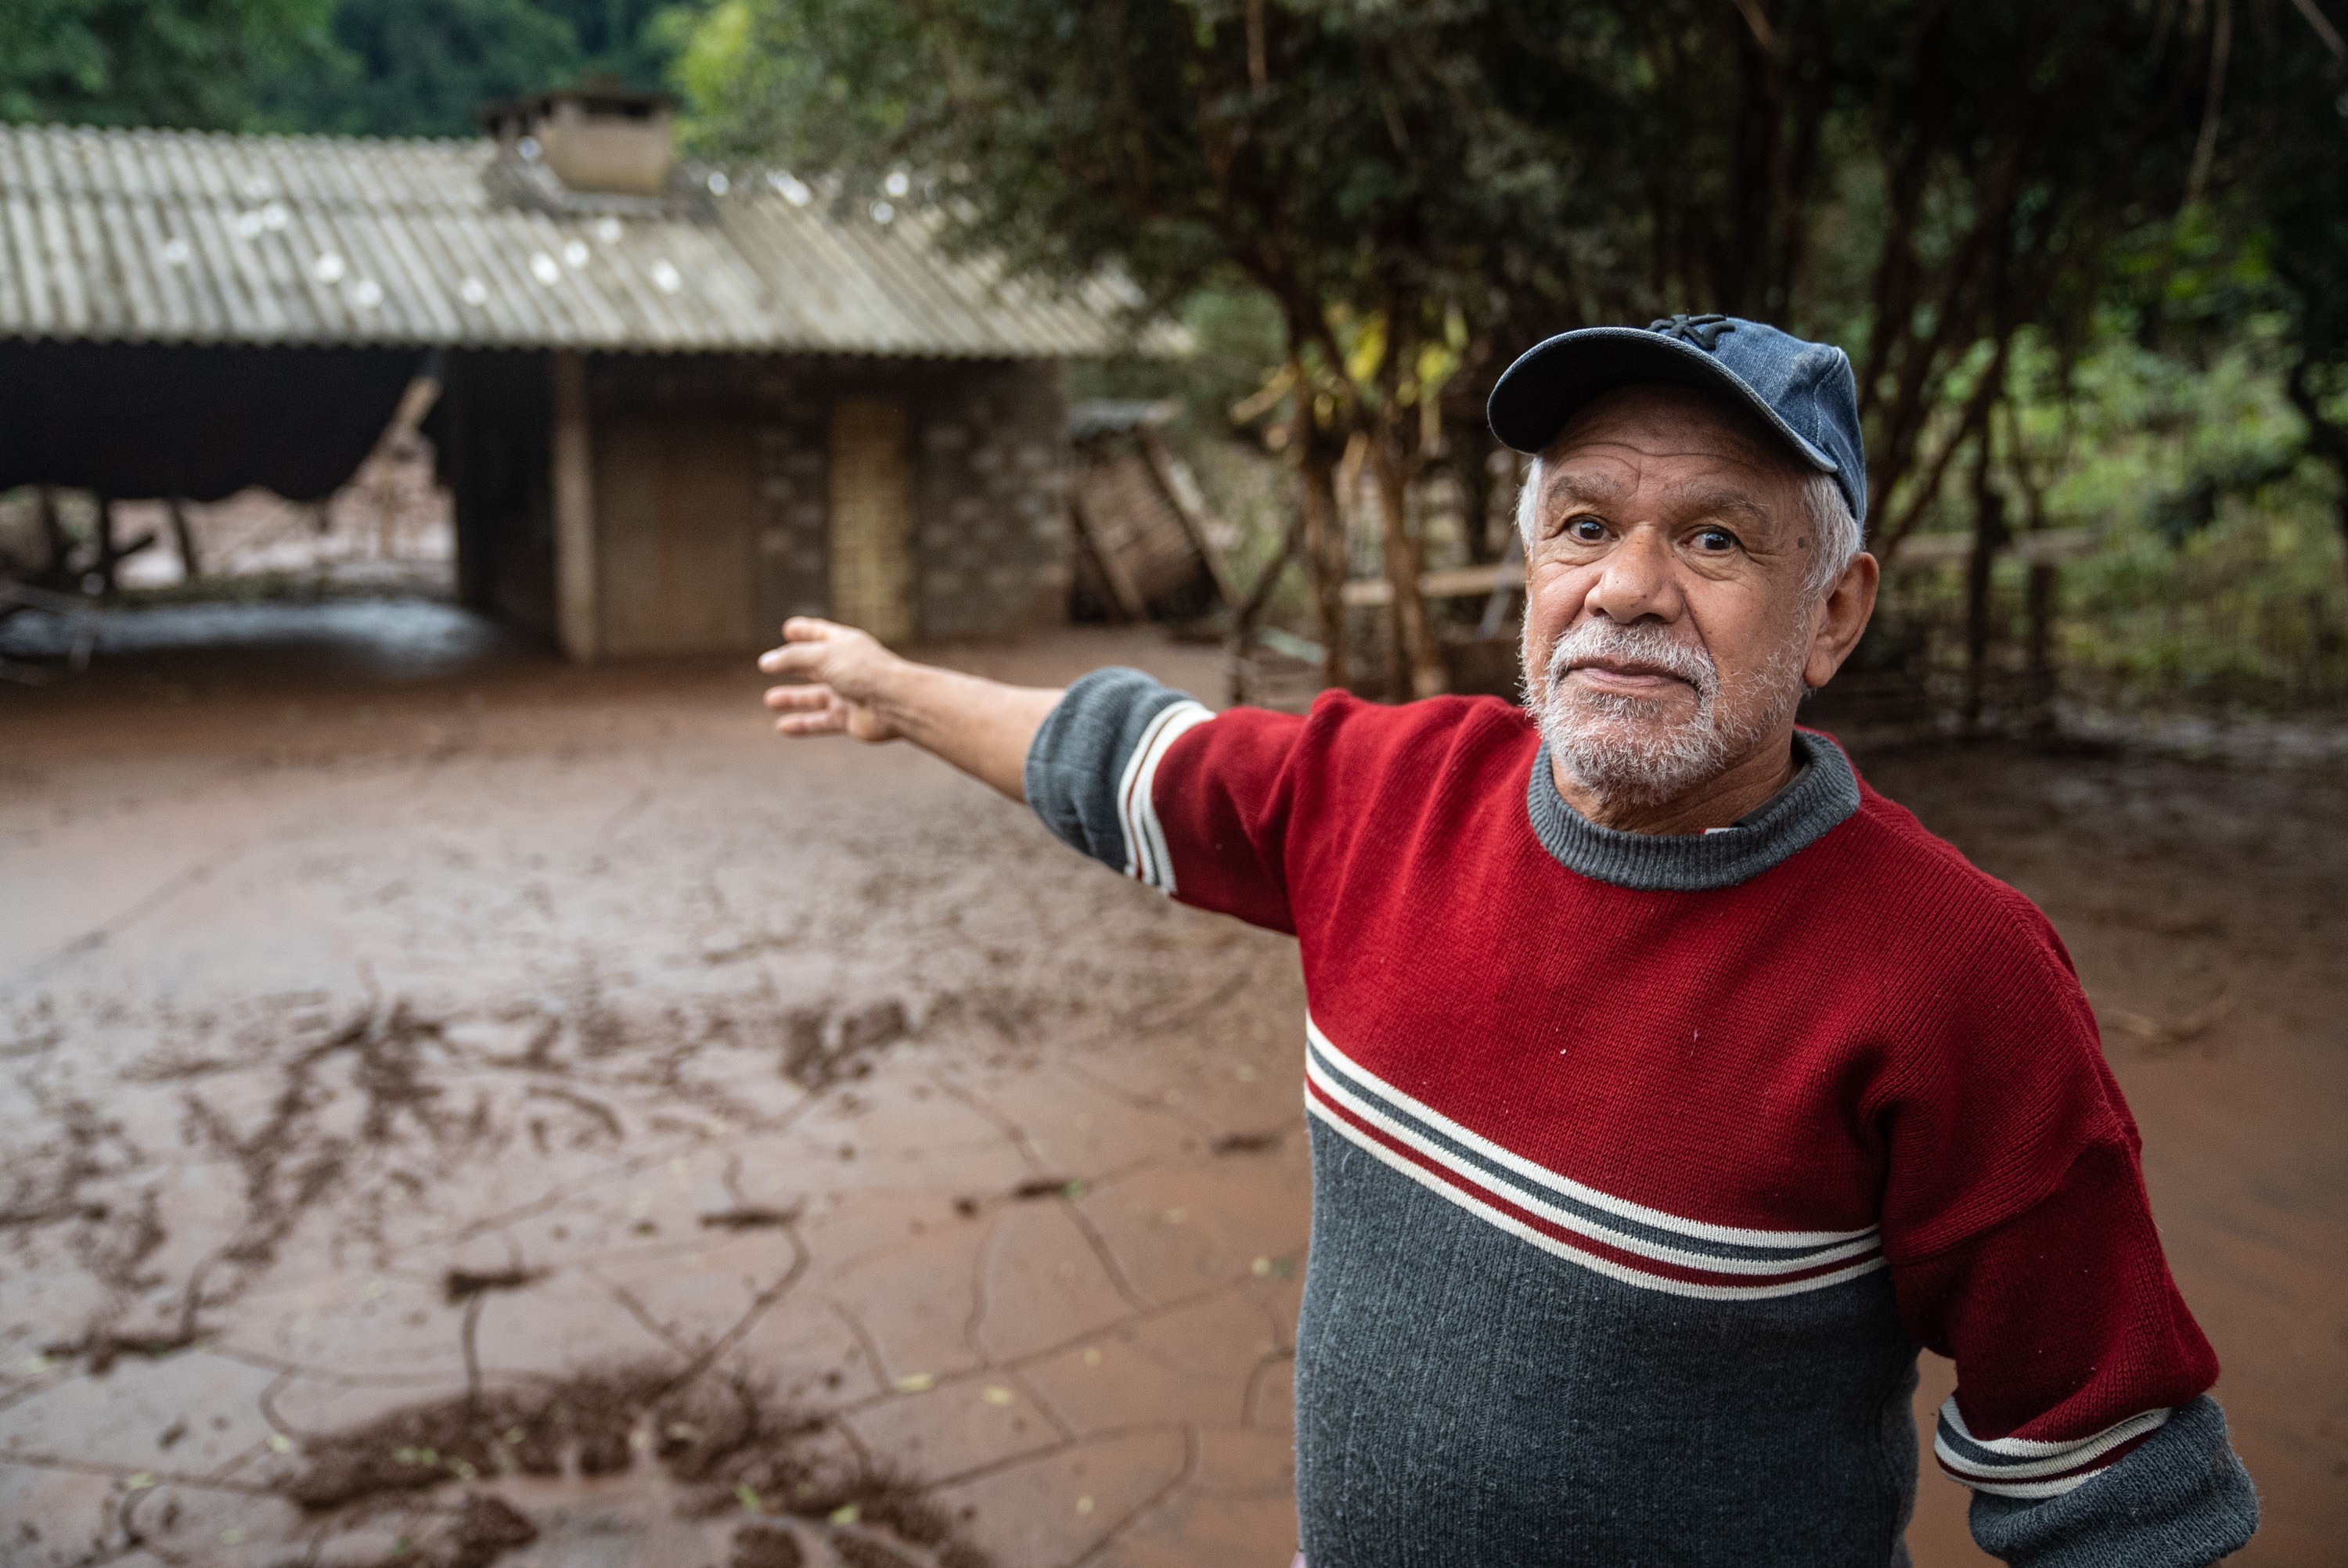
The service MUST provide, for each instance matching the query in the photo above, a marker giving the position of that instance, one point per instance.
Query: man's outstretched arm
(848, 684)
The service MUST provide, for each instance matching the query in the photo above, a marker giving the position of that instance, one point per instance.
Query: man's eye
(1716, 541)
(1585, 530)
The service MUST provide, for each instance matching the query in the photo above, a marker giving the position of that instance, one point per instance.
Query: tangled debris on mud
(779, 1488)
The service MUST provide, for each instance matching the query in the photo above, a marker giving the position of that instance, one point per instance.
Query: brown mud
(503, 1115)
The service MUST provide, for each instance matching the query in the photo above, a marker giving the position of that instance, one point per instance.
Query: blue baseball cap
(1804, 391)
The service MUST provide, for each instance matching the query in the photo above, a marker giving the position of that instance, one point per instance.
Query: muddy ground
(462, 1111)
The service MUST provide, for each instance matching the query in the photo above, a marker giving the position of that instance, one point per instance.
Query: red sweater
(1756, 1075)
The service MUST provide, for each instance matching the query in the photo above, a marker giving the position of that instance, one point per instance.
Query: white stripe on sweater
(2027, 1467)
(1638, 1214)
(1762, 1268)
(1145, 857)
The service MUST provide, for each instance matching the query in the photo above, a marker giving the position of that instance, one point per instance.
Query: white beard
(1630, 749)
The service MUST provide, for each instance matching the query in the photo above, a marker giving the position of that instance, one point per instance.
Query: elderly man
(1668, 1087)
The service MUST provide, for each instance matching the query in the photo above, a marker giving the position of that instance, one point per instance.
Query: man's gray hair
(1839, 538)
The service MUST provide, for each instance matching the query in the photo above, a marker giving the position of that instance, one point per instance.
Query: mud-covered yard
(506, 1114)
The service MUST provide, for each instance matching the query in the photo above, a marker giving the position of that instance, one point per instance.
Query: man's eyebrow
(1715, 500)
(1569, 486)
(1701, 498)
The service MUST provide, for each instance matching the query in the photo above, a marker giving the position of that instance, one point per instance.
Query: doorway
(674, 503)
(872, 519)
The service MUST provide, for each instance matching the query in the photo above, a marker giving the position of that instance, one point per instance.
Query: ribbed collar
(1822, 794)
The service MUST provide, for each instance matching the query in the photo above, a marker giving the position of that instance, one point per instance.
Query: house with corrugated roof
(678, 403)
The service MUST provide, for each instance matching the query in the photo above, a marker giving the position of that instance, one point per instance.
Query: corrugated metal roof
(149, 236)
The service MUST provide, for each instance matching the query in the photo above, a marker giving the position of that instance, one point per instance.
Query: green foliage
(632, 42)
(1911, 178)
(2215, 575)
(390, 67)
(424, 67)
(195, 63)
(1231, 338)
(2218, 575)
(2006, 210)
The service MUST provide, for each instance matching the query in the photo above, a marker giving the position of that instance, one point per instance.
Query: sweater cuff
(2181, 1499)
(1093, 763)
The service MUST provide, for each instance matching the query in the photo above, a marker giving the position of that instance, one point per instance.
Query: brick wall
(991, 513)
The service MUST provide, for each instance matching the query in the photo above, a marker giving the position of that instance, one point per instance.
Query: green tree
(1323, 155)
(632, 42)
(2285, 169)
(1422, 187)
(194, 63)
(424, 67)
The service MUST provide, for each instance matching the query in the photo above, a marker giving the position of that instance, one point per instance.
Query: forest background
(2090, 260)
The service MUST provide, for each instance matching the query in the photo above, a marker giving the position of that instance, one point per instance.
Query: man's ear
(1842, 619)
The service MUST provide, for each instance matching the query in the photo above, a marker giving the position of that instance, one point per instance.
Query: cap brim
(1551, 382)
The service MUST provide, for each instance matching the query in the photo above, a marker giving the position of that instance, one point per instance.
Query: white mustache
(1641, 642)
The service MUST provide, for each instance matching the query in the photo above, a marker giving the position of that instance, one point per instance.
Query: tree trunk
(1421, 672)
(1988, 537)
(1324, 551)
(1471, 470)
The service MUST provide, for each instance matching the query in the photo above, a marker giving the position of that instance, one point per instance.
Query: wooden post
(1988, 537)
(103, 522)
(576, 614)
(1125, 597)
(1180, 489)
(191, 567)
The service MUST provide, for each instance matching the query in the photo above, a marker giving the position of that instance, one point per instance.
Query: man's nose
(1637, 579)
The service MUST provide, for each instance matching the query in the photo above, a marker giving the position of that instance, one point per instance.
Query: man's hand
(848, 684)
(846, 675)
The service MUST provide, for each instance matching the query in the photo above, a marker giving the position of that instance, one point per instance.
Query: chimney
(592, 139)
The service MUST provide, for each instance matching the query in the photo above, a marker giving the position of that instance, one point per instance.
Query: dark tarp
(146, 421)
